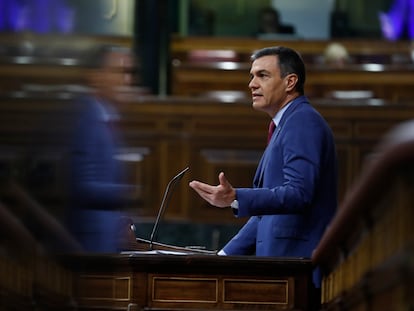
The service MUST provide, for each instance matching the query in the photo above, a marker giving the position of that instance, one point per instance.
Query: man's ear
(291, 80)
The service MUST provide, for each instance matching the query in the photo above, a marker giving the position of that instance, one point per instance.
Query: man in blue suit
(97, 184)
(294, 193)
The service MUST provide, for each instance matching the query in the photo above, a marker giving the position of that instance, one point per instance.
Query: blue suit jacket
(96, 177)
(294, 194)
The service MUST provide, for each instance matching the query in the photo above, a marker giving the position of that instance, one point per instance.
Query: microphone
(165, 201)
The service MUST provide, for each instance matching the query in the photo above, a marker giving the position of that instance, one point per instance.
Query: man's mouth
(256, 95)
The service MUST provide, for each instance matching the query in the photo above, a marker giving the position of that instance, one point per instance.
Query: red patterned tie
(272, 127)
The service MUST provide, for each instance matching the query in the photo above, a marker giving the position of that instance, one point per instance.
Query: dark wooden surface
(191, 281)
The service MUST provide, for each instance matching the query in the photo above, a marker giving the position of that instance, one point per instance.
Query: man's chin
(256, 105)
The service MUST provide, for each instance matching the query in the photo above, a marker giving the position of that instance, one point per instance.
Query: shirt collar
(280, 113)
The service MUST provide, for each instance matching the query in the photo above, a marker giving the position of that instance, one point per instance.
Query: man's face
(269, 90)
(118, 69)
(115, 74)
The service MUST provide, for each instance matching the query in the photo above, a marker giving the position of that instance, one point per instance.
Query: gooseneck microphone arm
(165, 201)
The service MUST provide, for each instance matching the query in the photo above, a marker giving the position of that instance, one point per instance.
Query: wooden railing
(367, 250)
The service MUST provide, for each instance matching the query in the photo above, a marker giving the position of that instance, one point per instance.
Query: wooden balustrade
(367, 250)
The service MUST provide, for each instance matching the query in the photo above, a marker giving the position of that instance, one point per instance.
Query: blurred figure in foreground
(398, 22)
(97, 188)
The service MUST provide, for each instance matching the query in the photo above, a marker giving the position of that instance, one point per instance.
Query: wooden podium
(175, 280)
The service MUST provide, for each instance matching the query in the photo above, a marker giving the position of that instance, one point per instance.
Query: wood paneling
(166, 134)
(191, 282)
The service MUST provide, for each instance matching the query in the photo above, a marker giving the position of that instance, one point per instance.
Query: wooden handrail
(393, 154)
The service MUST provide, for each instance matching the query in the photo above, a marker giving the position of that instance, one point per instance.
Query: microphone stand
(165, 201)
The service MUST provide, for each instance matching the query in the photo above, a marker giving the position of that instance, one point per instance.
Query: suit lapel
(258, 178)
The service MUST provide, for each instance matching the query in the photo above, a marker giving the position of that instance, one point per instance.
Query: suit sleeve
(244, 242)
(95, 173)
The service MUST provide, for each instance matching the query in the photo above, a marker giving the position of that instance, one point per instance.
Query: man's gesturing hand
(221, 195)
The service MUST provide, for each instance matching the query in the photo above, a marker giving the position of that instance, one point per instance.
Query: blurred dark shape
(39, 16)
(339, 25)
(270, 23)
(97, 188)
(201, 20)
(17, 241)
(398, 22)
(30, 226)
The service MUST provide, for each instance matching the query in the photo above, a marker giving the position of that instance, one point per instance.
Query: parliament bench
(240, 48)
(390, 82)
(202, 66)
(48, 62)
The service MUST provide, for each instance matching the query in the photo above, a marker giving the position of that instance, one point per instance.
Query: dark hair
(289, 62)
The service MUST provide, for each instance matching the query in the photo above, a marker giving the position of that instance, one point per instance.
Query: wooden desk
(191, 282)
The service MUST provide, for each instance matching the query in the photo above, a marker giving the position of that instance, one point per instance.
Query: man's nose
(252, 83)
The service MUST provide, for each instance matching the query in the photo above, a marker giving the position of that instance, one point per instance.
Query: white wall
(111, 17)
(310, 17)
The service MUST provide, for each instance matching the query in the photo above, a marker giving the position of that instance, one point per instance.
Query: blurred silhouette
(336, 55)
(270, 24)
(39, 16)
(201, 19)
(97, 185)
(339, 22)
(398, 22)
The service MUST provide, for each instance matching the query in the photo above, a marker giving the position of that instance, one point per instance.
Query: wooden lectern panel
(157, 280)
